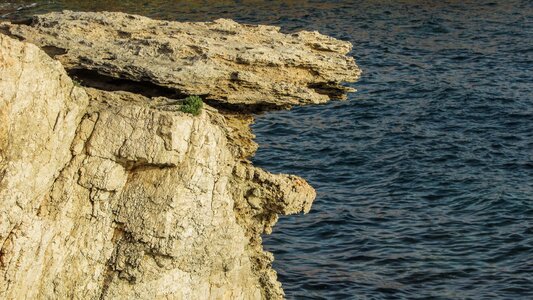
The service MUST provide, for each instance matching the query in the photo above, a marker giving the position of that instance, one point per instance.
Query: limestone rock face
(108, 194)
(223, 61)
(40, 109)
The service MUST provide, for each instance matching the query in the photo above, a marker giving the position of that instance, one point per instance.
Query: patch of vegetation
(76, 82)
(192, 105)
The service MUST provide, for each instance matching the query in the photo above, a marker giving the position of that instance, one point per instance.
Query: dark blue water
(425, 176)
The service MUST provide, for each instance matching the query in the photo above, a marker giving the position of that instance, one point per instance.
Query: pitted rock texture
(113, 195)
(250, 67)
(40, 109)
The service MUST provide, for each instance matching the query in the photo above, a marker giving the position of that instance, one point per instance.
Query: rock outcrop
(108, 194)
(222, 60)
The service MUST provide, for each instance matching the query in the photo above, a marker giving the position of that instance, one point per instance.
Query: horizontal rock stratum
(222, 60)
(113, 192)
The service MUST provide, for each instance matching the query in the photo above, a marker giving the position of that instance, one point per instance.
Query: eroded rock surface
(116, 195)
(223, 61)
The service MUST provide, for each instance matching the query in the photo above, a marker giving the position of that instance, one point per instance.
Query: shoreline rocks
(113, 192)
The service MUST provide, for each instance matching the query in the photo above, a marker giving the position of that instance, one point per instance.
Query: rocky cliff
(109, 191)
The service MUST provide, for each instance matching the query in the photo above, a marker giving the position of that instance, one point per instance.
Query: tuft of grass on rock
(192, 105)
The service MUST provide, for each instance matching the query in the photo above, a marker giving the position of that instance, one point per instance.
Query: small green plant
(76, 82)
(192, 105)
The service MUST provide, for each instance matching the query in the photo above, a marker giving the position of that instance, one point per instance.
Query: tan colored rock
(250, 67)
(112, 195)
(39, 112)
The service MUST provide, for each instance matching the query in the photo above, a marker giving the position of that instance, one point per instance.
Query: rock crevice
(108, 190)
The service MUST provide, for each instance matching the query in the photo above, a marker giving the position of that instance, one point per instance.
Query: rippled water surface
(425, 176)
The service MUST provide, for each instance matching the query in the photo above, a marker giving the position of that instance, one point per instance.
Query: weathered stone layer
(222, 61)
